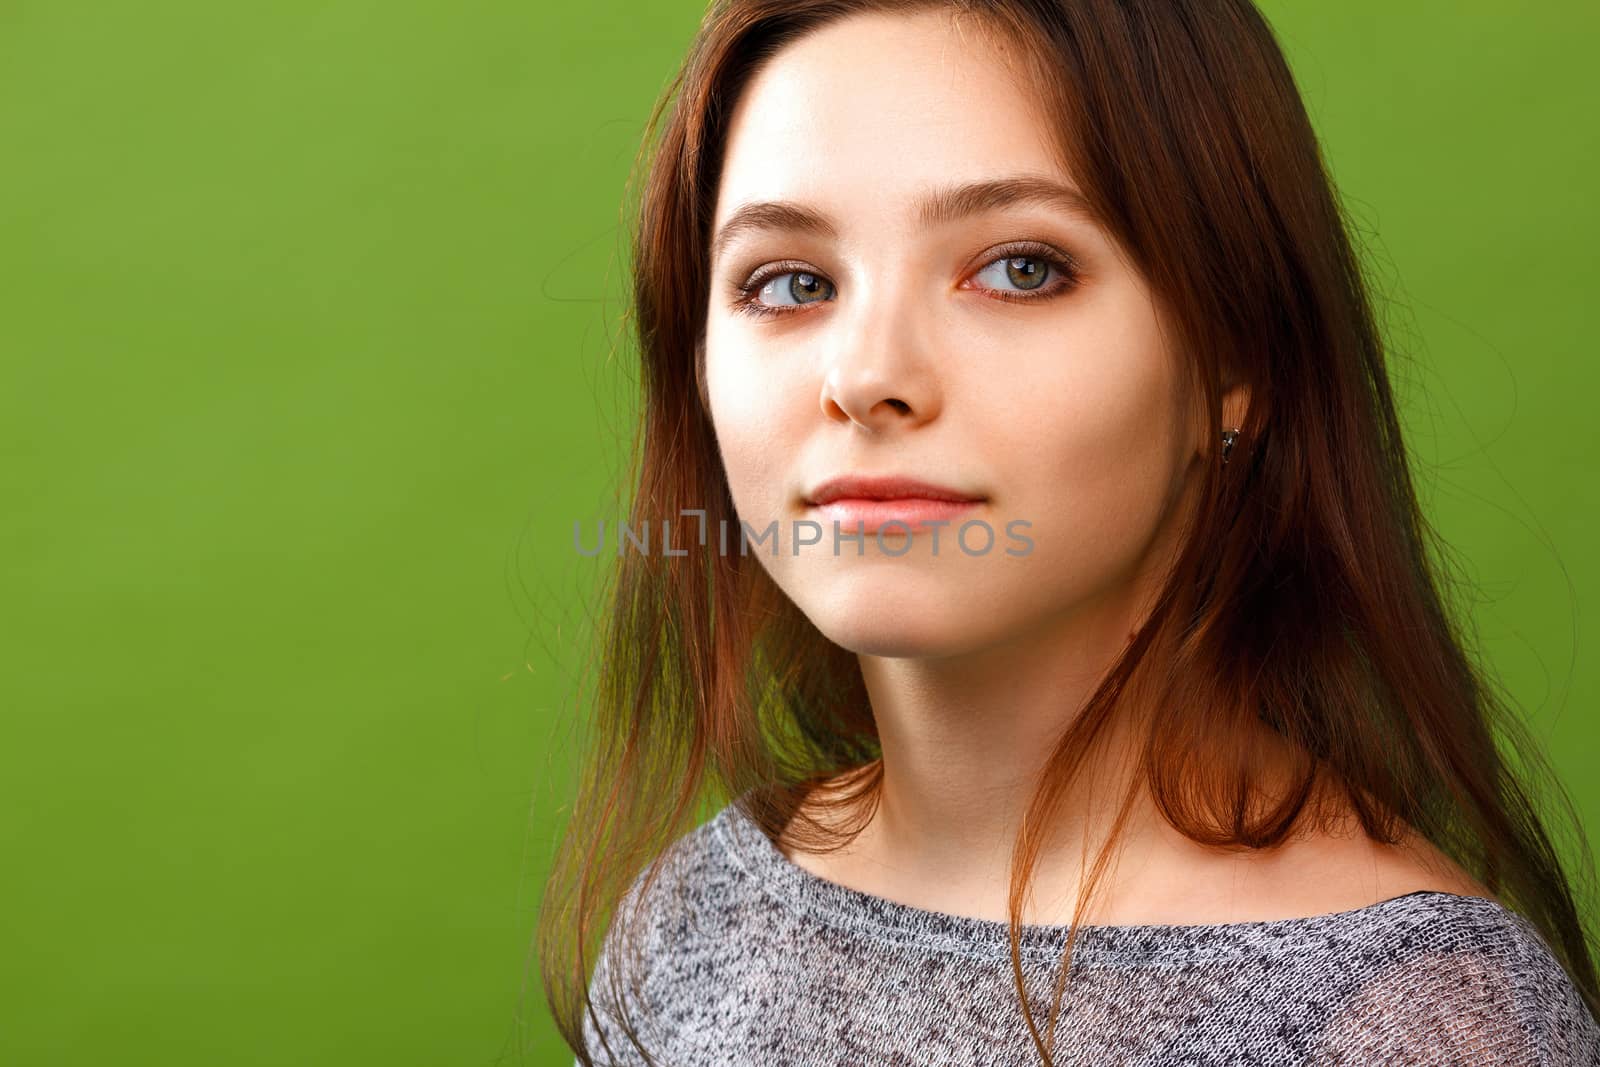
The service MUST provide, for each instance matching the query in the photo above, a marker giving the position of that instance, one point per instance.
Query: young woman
(1034, 592)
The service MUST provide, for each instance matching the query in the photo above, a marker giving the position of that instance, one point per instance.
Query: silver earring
(1228, 437)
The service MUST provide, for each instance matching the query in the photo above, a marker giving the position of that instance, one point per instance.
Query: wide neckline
(834, 904)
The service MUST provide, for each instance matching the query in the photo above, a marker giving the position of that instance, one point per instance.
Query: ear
(1235, 405)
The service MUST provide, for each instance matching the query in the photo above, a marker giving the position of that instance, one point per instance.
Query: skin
(1069, 411)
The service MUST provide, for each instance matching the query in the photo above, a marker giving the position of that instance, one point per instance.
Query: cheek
(755, 420)
(1107, 428)
(1089, 430)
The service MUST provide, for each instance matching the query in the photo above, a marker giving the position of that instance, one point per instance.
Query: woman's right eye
(780, 290)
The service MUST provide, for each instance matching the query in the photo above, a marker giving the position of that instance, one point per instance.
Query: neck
(964, 739)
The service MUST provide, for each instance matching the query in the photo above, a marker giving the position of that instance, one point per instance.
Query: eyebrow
(943, 205)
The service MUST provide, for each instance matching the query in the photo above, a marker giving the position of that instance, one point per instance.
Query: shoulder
(686, 901)
(1339, 870)
(1458, 979)
(1567, 1032)
(656, 928)
(667, 898)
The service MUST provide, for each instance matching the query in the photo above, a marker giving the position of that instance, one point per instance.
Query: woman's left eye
(1020, 274)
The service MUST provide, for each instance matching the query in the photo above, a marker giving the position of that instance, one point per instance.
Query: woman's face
(997, 346)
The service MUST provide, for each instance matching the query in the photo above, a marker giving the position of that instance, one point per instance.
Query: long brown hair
(1183, 125)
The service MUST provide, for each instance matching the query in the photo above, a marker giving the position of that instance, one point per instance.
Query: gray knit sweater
(750, 960)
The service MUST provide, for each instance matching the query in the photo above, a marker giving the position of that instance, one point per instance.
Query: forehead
(873, 108)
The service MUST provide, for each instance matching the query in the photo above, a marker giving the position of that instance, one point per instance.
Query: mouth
(867, 505)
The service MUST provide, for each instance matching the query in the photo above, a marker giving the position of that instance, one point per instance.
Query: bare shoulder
(1314, 874)
(1336, 866)
(1416, 863)
(1341, 872)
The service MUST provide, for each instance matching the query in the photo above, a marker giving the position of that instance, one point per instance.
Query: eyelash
(744, 302)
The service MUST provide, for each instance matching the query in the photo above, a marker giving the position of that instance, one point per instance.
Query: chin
(887, 642)
(920, 621)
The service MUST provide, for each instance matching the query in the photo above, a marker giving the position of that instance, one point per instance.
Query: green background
(309, 359)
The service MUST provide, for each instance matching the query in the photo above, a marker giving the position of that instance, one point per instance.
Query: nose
(880, 373)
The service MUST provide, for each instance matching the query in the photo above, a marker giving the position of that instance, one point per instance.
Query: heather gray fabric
(752, 960)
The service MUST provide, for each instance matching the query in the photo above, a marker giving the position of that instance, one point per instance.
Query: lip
(867, 503)
(888, 487)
